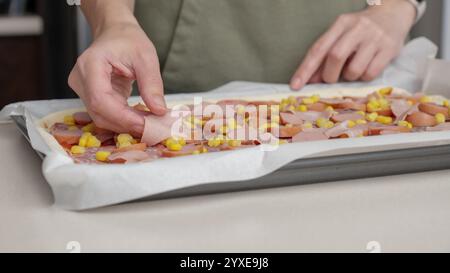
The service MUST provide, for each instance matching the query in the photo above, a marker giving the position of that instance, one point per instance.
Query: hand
(358, 46)
(104, 74)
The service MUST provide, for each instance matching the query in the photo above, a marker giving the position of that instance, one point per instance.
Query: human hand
(104, 74)
(358, 46)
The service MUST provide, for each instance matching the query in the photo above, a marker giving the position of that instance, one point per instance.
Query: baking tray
(320, 169)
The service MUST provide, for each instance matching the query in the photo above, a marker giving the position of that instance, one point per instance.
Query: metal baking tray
(321, 169)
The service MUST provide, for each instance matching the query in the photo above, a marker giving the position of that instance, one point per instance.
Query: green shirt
(203, 44)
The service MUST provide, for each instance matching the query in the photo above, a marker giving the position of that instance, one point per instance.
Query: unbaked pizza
(226, 125)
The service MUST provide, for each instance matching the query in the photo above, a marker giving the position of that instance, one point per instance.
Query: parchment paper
(80, 186)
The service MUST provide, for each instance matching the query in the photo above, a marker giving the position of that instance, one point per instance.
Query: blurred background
(41, 39)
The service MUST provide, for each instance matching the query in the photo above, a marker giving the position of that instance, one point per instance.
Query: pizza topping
(239, 124)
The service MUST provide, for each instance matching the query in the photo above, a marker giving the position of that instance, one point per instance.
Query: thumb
(150, 84)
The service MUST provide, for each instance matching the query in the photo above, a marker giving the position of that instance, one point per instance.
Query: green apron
(203, 44)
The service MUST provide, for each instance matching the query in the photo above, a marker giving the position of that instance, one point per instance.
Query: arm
(120, 54)
(358, 46)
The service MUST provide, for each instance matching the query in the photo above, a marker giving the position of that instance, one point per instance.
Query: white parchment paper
(80, 186)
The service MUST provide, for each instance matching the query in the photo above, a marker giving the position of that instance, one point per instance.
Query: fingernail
(296, 83)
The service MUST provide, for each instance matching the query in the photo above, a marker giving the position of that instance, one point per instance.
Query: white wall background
(446, 30)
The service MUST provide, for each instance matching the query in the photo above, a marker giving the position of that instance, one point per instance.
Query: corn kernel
(362, 113)
(174, 146)
(73, 128)
(275, 119)
(329, 124)
(302, 108)
(77, 150)
(329, 108)
(69, 120)
(361, 121)
(292, 100)
(291, 108)
(240, 109)
(373, 106)
(92, 141)
(123, 144)
(88, 128)
(204, 150)
(234, 143)
(425, 99)
(404, 123)
(440, 118)
(214, 142)
(83, 139)
(445, 103)
(385, 91)
(384, 104)
(351, 124)
(384, 119)
(124, 138)
(232, 124)
(196, 152)
(307, 101)
(102, 155)
(315, 98)
(372, 116)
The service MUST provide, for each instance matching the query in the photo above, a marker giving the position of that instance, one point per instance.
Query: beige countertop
(400, 213)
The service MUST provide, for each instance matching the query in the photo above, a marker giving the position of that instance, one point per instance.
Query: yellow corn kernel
(234, 143)
(440, 118)
(445, 103)
(291, 108)
(69, 120)
(102, 155)
(307, 125)
(174, 146)
(122, 138)
(123, 144)
(73, 128)
(92, 141)
(83, 139)
(373, 106)
(307, 101)
(361, 121)
(302, 108)
(384, 103)
(425, 99)
(315, 98)
(214, 142)
(292, 100)
(282, 141)
(362, 113)
(196, 152)
(240, 109)
(329, 124)
(351, 124)
(223, 129)
(385, 91)
(204, 150)
(77, 150)
(88, 128)
(372, 116)
(329, 108)
(384, 119)
(275, 119)
(406, 124)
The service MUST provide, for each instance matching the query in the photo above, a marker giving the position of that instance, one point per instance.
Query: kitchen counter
(397, 213)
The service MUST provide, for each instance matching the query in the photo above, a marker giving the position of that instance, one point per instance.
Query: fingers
(377, 65)
(109, 108)
(317, 53)
(150, 83)
(360, 61)
(340, 53)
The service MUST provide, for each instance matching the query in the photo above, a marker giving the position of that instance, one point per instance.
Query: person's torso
(203, 44)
